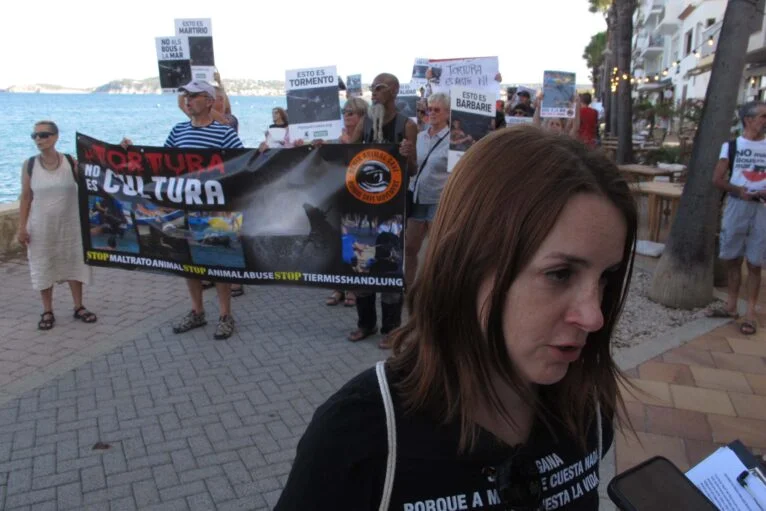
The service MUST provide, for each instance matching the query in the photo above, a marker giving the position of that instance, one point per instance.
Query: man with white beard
(384, 124)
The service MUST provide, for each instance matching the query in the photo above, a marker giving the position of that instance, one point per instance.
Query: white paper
(313, 103)
(419, 69)
(194, 27)
(716, 477)
(172, 48)
(512, 120)
(475, 109)
(470, 73)
(275, 138)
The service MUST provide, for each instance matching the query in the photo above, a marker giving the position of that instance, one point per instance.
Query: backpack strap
(70, 159)
(388, 404)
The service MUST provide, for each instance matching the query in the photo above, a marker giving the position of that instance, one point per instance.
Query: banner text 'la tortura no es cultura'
(326, 217)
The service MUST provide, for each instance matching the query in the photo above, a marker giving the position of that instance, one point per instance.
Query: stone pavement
(189, 422)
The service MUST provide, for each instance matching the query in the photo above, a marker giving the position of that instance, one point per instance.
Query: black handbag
(410, 205)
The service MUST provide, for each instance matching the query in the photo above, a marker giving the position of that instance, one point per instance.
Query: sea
(144, 118)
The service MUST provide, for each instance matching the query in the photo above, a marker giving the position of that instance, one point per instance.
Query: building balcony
(655, 12)
(710, 39)
(667, 24)
(654, 46)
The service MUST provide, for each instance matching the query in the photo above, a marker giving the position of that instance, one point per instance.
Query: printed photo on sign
(214, 238)
(419, 70)
(162, 232)
(559, 94)
(372, 245)
(468, 73)
(313, 103)
(472, 115)
(407, 101)
(173, 62)
(200, 34)
(513, 120)
(111, 224)
(354, 85)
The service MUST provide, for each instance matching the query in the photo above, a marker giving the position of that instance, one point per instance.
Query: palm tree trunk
(624, 24)
(610, 112)
(684, 275)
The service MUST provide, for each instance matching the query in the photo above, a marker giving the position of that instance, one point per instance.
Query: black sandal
(84, 315)
(237, 291)
(47, 319)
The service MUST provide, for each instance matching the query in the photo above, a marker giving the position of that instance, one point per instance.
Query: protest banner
(200, 34)
(419, 69)
(476, 73)
(354, 86)
(472, 113)
(559, 94)
(407, 101)
(173, 62)
(313, 104)
(321, 217)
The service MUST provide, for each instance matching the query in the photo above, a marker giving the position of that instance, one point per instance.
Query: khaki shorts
(743, 231)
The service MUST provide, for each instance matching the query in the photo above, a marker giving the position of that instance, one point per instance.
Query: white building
(674, 46)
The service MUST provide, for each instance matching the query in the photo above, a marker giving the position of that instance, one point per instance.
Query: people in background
(49, 224)
(739, 174)
(588, 132)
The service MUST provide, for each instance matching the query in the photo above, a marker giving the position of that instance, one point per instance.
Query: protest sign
(472, 113)
(468, 73)
(292, 216)
(173, 62)
(512, 120)
(559, 94)
(313, 104)
(419, 72)
(200, 35)
(354, 86)
(407, 101)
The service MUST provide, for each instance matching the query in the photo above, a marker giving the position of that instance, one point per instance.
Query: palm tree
(684, 275)
(594, 56)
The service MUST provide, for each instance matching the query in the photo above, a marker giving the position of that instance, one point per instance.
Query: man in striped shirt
(202, 132)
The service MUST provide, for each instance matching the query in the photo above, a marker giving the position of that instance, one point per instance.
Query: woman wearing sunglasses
(501, 392)
(49, 224)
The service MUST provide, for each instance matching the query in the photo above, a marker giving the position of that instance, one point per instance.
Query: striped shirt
(213, 136)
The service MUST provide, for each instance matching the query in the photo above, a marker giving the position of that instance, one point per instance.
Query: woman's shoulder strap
(30, 165)
(72, 165)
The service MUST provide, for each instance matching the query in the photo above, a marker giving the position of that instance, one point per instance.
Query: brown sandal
(350, 299)
(47, 319)
(361, 333)
(84, 315)
(334, 299)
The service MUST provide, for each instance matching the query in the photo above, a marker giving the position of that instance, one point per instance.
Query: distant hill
(236, 87)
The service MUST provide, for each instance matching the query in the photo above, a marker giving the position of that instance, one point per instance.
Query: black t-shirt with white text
(340, 462)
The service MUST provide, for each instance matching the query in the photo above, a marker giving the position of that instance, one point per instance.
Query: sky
(86, 43)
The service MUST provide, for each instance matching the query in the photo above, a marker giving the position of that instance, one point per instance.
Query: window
(689, 42)
(710, 22)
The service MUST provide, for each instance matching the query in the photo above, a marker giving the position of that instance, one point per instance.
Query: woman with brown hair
(502, 391)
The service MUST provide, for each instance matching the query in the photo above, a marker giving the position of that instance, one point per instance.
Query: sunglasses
(192, 95)
(435, 110)
(42, 134)
(348, 112)
(379, 87)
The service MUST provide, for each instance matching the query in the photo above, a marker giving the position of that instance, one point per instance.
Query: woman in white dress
(49, 224)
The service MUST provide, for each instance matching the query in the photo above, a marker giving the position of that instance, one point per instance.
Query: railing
(656, 41)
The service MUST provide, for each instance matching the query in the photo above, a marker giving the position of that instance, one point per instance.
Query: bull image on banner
(313, 103)
(324, 217)
(472, 114)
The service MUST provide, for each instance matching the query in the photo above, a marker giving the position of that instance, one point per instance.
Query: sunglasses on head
(42, 134)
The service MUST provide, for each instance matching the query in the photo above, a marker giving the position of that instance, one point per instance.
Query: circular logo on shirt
(374, 176)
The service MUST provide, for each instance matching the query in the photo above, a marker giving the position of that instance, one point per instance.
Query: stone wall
(9, 224)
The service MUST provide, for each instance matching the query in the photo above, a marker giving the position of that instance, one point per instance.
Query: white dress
(55, 241)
